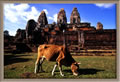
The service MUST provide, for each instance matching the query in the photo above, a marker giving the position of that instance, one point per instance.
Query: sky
(16, 15)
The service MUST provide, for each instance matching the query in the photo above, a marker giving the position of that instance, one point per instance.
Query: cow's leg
(54, 69)
(41, 61)
(59, 59)
(37, 65)
(60, 69)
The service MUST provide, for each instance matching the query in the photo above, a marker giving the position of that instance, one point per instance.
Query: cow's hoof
(76, 74)
(42, 71)
(62, 75)
(53, 74)
(35, 72)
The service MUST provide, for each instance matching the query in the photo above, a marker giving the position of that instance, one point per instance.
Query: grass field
(22, 66)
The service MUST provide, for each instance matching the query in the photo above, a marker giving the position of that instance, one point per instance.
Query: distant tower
(42, 20)
(75, 17)
(30, 27)
(6, 33)
(61, 18)
(99, 26)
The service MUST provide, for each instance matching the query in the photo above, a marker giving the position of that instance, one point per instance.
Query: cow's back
(50, 52)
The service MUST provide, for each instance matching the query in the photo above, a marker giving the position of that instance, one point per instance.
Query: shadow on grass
(87, 71)
(10, 59)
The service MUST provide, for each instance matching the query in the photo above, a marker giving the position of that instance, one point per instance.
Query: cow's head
(74, 68)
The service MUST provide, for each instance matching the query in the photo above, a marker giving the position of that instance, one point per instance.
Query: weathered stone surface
(7, 38)
(81, 35)
(6, 33)
(31, 24)
(99, 26)
(42, 20)
(61, 18)
(75, 17)
(20, 35)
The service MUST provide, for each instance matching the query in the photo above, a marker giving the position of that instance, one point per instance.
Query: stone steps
(94, 52)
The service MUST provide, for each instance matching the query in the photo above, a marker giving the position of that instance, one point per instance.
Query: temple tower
(75, 17)
(42, 20)
(61, 18)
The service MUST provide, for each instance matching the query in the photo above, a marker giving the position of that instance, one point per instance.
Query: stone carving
(61, 18)
(31, 24)
(75, 17)
(42, 20)
(20, 35)
(6, 33)
(99, 26)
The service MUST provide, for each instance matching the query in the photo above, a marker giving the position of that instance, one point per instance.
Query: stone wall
(86, 39)
(104, 39)
(78, 42)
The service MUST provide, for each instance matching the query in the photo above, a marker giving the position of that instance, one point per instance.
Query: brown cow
(56, 53)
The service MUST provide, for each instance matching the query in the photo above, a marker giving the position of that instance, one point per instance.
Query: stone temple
(75, 17)
(76, 35)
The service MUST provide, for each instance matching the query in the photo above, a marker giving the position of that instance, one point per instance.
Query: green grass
(22, 66)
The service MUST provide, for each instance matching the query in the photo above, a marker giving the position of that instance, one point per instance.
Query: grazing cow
(56, 53)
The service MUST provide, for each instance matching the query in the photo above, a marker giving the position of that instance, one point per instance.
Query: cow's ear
(78, 63)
